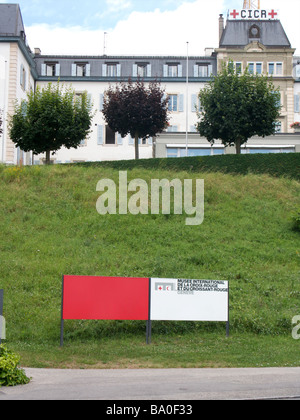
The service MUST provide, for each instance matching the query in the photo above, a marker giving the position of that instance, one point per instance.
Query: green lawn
(49, 227)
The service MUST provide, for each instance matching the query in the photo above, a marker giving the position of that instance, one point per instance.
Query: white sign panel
(189, 300)
(253, 14)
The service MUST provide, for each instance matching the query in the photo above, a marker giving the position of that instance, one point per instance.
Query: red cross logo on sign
(273, 14)
(234, 14)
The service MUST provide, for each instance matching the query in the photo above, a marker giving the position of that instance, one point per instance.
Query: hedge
(277, 165)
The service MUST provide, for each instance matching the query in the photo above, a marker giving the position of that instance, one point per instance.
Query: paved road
(158, 384)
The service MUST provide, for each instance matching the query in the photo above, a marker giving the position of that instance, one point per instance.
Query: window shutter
(179, 70)
(134, 70)
(74, 70)
(100, 135)
(297, 103)
(101, 101)
(181, 103)
(21, 75)
(88, 70)
(118, 70)
(57, 70)
(196, 70)
(104, 70)
(194, 102)
(43, 69)
(148, 70)
(119, 139)
(165, 70)
(210, 70)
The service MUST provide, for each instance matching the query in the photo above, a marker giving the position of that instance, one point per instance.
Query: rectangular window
(173, 70)
(111, 70)
(271, 68)
(279, 71)
(258, 68)
(238, 68)
(251, 68)
(110, 136)
(275, 69)
(255, 68)
(50, 69)
(173, 103)
(80, 69)
(142, 70)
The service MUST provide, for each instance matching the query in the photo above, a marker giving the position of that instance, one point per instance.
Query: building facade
(260, 45)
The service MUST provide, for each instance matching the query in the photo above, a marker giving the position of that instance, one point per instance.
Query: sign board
(111, 298)
(144, 299)
(189, 300)
(253, 14)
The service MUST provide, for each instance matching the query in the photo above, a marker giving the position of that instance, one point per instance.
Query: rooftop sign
(253, 14)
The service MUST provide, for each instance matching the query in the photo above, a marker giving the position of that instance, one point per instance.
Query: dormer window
(81, 69)
(254, 32)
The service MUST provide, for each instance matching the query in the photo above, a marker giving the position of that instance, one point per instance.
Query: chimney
(221, 26)
(37, 51)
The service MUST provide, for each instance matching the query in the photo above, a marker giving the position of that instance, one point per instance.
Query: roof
(11, 22)
(270, 34)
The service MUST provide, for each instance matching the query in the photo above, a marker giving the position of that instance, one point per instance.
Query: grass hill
(49, 227)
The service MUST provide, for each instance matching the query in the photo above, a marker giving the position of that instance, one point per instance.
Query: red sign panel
(110, 298)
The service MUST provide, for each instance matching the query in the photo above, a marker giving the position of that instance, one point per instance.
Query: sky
(137, 27)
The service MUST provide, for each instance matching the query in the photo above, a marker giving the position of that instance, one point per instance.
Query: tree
(52, 117)
(237, 106)
(131, 108)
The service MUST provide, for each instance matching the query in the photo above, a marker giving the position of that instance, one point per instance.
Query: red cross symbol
(234, 14)
(273, 14)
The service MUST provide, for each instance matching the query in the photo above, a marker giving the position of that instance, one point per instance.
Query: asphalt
(172, 385)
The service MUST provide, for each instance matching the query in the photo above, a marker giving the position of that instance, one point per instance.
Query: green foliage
(236, 107)
(10, 374)
(50, 227)
(131, 108)
(296, 220)
(277, 165)
(51, 117)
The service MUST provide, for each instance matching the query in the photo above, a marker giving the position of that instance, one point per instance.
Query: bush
(10, 374)
(296, 220)
(274, 164)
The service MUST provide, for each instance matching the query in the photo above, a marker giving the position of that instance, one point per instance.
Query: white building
(21, 70)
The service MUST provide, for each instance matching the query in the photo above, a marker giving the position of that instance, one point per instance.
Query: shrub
(296, 220)
(10, 374)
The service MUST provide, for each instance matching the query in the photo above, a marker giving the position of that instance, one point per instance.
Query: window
(110, 136)
(255, 68)
(81, 69)
(50, 69)
(23, 77)
(173, 103)
(176, 103)
(202, 70)
(237, 66)
(180, 151)
(173, 70)
(111, 70)
(275, 69)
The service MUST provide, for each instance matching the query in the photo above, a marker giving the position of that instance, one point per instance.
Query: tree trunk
(136, 146)
(48, 160)
(238, 146)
